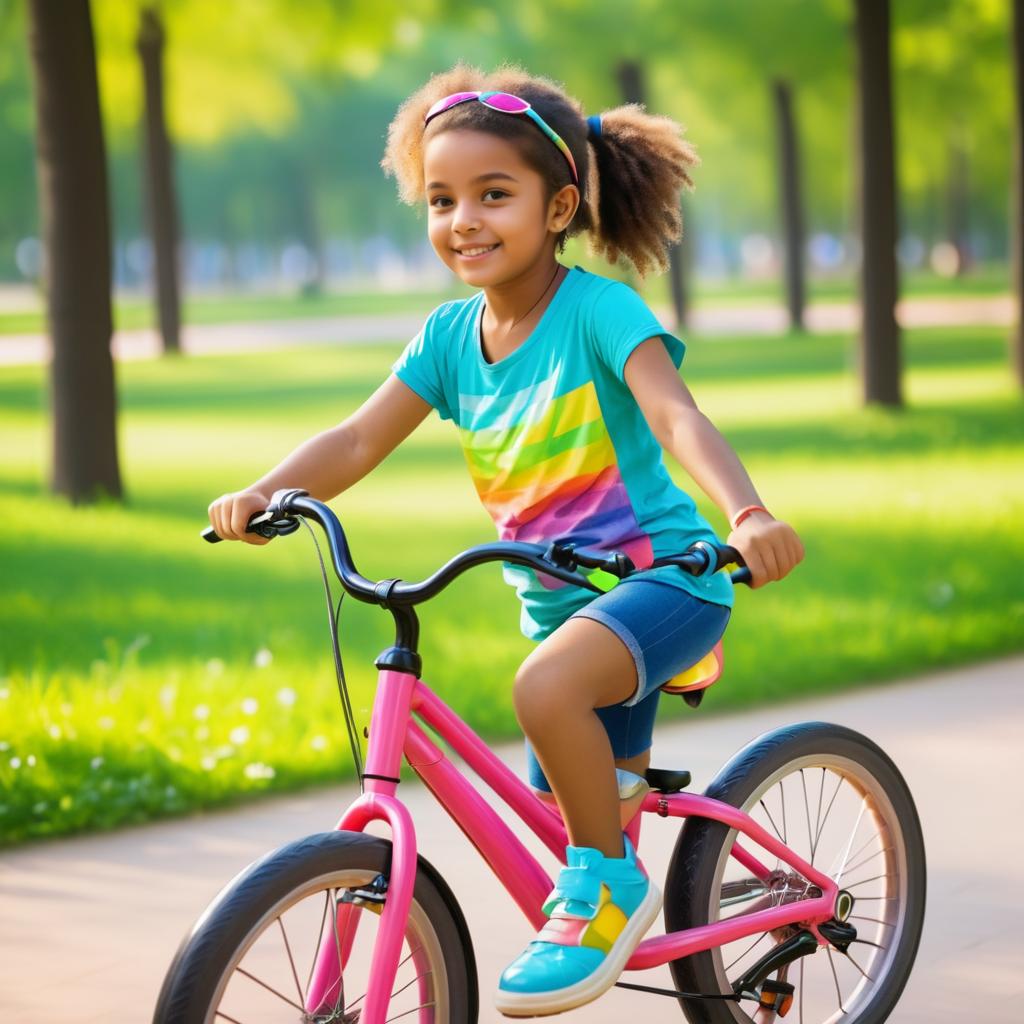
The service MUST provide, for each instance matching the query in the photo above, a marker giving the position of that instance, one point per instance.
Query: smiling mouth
(477, 250)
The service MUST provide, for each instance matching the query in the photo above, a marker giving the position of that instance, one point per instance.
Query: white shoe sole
(542, 1004)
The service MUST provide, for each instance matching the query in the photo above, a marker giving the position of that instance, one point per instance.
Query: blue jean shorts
(667, 630)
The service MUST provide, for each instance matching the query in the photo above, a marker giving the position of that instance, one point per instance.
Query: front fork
(391, 710)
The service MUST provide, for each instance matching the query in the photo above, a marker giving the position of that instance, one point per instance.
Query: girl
(564, 389)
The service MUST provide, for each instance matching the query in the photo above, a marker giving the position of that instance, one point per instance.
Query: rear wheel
(251, 956)
(839, 802)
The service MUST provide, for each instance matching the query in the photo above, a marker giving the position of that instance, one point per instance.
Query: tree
(74, 210)
(791, 195)
(634, 90)
(876, 159)
(158, 183)
(1017, 214)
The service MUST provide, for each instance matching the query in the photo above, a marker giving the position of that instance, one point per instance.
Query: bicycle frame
(401, 697)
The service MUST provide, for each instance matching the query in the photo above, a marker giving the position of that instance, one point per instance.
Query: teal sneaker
(598, 912)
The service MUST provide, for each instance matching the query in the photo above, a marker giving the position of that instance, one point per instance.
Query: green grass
(144, 673)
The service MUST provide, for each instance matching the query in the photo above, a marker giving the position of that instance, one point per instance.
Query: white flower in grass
(31, 760)
(318, 742)
(239, 735)
(202, 732)
(250, 706)
(40, 808)
(96, 763)
(941, 594)
(286, 696)
(4, 745)
(201, 712)
(168, 695)
(106, 722)
(208, 763)
(262, 658)
(54, 731)
(258, 770)
(15, 763)
(4, 692)
(215, 667)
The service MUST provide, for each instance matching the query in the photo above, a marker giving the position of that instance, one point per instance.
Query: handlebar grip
(262, 523)
(741, 576)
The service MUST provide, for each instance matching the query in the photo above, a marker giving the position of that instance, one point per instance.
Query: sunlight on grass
(143, 672)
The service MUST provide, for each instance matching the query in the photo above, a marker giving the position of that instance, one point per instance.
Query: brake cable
(333, 615)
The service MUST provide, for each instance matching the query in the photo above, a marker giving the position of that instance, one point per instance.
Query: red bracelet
(749, 510)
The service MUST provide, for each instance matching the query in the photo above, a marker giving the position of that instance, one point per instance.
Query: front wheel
(839, 802)
(251, 956)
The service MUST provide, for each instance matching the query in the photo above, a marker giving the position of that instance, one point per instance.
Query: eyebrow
(489, 176)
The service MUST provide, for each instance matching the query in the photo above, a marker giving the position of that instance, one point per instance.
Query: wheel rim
(837, 816)
(269, 976)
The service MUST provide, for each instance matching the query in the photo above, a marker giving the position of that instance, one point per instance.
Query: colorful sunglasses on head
(505, 103)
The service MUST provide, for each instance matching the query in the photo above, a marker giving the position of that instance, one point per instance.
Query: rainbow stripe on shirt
(548, 470)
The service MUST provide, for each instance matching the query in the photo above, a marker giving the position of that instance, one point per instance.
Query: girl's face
(489, 219)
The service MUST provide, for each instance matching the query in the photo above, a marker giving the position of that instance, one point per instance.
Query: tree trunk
(634, 90)
(959, 209)
(74, 209)
(158, 186)
(876, 165)
(1017, 212)
(792, 212)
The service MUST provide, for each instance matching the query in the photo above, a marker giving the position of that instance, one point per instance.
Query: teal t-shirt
(556, 445)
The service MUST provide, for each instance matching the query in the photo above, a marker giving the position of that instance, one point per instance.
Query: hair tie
(594, 125)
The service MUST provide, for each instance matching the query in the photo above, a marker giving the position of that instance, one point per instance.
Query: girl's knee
(542, 696)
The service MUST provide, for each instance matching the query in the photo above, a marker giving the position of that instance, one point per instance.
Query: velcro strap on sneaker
(578, 885)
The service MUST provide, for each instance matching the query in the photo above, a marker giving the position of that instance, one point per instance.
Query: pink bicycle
(797, 880)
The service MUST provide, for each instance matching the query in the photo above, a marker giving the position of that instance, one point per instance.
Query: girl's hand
(769, 546)
(230, 513)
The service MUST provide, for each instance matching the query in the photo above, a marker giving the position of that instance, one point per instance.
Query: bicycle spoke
(270, 988)
(807, 810)
(868, 942)
(782, 795)
(404, 960)
(291, 960)
(849, 844)
(870, 857)
(230, 1020)
(828, 810)
(865, 881)
(835, 978)
(759, 939)
(876, 920)
(319, 938)
(802, 982)
(772, 820)
(405, 1013)
(858, 966)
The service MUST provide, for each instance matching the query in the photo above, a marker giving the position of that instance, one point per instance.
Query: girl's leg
(583, 665)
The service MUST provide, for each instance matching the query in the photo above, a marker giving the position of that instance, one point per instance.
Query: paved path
(88, 926)
(767, 318)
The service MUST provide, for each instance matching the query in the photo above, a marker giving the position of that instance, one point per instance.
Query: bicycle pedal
(776, 996)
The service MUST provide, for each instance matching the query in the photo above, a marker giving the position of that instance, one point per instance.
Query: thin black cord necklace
(515, 323)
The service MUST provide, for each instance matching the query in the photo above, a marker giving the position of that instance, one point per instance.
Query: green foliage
(200, 674)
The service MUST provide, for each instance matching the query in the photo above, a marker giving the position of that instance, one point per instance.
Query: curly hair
(631, 172)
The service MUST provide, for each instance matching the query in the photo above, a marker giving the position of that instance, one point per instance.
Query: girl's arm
(769, 546)
(330, 462)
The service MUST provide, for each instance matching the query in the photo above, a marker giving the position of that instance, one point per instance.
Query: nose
(466, 219)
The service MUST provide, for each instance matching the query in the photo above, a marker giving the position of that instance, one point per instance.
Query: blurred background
(196, 188)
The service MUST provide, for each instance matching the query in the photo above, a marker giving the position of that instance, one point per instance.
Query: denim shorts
(667, 630)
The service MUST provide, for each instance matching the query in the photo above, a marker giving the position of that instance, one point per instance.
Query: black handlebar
(559, 560)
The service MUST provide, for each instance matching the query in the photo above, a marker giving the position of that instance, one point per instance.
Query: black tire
(889, 908)
(246, 922)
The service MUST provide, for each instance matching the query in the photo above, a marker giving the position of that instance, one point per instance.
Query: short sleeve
(422, 366)
(621, 322)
